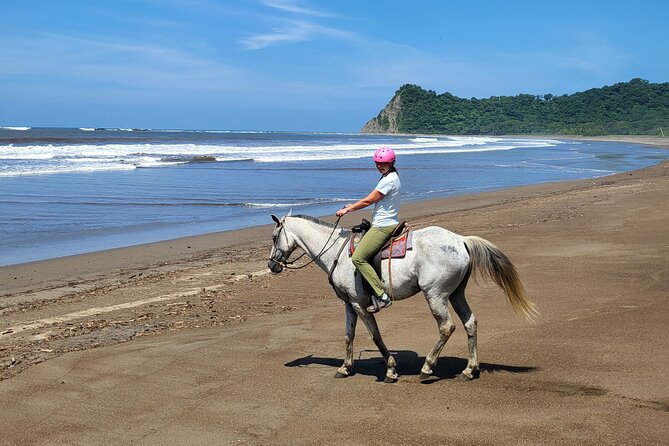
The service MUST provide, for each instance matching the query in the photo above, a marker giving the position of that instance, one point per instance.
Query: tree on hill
(635, 107)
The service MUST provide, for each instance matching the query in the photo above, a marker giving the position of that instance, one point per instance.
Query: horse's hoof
(341, 375)
(464, 377)
(425, 376)
(390, 380)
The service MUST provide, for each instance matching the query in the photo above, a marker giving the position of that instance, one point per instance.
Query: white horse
(439, 264)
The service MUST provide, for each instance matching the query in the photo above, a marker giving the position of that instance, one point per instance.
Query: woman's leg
(370, 244)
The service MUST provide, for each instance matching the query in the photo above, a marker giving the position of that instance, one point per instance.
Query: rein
(287, 264)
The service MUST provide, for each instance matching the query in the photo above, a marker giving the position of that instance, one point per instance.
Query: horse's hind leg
(370, 322)
(465, 314)
(349, 335)
(439, 307)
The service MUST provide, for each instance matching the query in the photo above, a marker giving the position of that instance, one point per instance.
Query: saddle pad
(399, 249)
(400, 246)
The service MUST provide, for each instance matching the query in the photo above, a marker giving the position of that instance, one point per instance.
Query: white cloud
(292, 32)
(291, 6)
(113, 62)
(300, 33)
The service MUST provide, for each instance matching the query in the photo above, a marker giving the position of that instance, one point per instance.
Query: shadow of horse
(408, 364)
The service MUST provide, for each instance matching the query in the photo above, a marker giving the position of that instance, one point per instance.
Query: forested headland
(637, 107)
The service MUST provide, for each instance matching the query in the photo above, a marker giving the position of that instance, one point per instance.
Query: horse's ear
(276, 220)
(290, 212)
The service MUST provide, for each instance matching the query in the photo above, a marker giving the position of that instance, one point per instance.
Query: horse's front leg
(370, 322)
(349, 335)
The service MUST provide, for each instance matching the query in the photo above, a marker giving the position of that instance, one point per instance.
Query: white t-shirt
(386, 209)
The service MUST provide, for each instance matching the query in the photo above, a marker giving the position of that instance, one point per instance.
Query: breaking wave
(32, 158)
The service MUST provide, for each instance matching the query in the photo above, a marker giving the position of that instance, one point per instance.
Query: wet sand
(191, 341)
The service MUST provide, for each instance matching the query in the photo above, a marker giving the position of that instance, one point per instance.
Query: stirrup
(379, 304)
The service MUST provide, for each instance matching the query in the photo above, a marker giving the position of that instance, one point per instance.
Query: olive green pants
(370, 244)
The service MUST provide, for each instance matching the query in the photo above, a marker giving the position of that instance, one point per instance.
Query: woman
(386, 200)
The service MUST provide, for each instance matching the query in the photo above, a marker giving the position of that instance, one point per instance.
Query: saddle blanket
(399, 249)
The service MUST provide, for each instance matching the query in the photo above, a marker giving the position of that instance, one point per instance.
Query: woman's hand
(343, 211)
(372, 198)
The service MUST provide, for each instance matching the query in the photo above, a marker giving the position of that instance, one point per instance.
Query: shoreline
(76, 273)
(655, 141)
(175, 251)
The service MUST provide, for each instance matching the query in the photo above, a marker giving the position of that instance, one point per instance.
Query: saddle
(400, 240)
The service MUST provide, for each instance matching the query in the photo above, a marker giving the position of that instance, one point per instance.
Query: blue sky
(305, 64)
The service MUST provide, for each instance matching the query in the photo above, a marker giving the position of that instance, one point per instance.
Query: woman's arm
(370, 199)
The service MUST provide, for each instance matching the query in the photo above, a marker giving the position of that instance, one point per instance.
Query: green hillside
(637, 107)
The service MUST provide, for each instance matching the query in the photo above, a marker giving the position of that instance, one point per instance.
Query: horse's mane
(319, 221)
(315, 220)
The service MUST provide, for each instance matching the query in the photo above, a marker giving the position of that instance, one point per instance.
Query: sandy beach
(193, 341)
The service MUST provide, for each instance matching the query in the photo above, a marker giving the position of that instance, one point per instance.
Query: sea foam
(43, 159)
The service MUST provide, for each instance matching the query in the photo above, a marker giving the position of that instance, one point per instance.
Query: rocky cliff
(386, 120)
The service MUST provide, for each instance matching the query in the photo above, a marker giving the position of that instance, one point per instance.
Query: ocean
(71, 191)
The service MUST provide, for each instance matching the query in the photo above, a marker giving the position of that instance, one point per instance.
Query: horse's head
(283, 245)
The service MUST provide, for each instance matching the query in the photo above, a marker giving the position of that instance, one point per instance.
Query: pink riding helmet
(384, 155)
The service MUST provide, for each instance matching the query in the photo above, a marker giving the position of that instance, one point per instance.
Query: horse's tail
(487, 260)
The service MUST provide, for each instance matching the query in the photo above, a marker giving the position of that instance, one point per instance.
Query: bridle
(286, 264)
